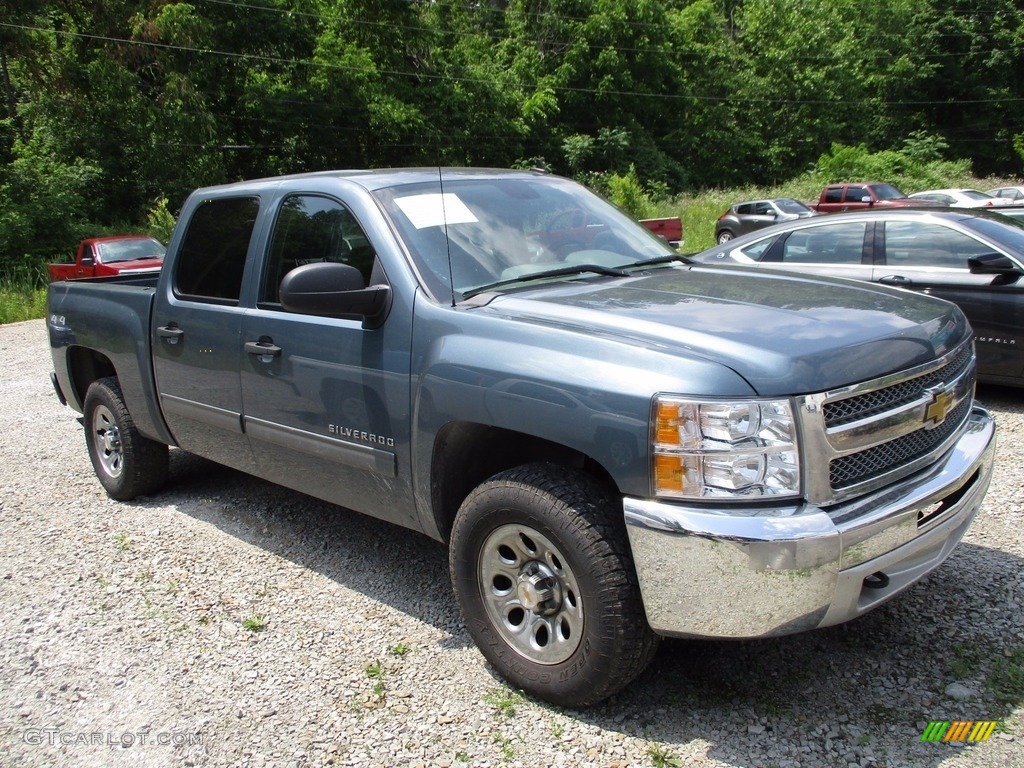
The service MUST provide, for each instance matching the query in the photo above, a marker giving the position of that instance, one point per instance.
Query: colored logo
(959, 730)
(940, 406)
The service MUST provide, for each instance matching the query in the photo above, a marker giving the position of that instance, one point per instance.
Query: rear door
(932, 258)
(326, 400)
(196, 332)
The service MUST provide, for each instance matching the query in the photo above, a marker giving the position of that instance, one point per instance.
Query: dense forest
(112, 110)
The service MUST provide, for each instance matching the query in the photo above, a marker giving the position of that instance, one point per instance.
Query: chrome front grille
(879, 431)
(857, 467)
(880, 400)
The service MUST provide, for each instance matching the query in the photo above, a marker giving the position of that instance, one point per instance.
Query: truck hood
(785, 334)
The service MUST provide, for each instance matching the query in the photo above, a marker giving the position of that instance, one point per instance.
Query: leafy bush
(917, 166)
(160, 221)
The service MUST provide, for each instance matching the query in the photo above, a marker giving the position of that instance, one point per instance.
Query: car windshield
(464, 233)
(114, 251)
(974, 194)
(789, 205)
(888, 192)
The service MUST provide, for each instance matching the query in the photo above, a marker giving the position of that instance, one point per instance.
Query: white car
(1016, 194)
(961, 198)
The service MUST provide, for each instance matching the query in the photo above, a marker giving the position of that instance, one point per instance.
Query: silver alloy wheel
(725, 237)
(107, 438)
(530, 594)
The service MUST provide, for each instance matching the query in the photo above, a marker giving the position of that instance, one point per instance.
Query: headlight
(724, 448)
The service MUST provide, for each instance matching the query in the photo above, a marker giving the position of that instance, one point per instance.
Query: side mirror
(329, 289)
(993, 264)
(866, 199)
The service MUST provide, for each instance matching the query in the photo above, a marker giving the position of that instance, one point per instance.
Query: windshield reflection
(464, 233)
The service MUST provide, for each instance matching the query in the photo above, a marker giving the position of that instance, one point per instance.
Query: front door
(326, 401)
(932, 259)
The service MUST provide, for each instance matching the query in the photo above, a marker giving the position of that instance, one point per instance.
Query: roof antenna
(447, 242)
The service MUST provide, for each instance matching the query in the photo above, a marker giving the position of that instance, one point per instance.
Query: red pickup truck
(867, 194)
(669, 227)
(99, 256)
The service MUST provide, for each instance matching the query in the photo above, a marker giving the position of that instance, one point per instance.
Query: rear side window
(831, 244)
(833, 194)
(212, 258)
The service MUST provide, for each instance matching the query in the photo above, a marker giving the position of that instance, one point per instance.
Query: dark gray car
(752, 215)
(971, 257)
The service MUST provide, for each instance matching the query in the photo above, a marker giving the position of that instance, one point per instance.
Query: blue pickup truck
(615, 444)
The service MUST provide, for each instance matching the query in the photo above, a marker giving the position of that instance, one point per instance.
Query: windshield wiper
(575, 269)
(654, 261)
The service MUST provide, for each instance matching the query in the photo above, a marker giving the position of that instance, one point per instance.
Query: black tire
(724, 236)
(542, 571)
(127, 464)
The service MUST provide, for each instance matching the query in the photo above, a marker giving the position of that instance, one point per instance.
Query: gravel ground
(228, 622)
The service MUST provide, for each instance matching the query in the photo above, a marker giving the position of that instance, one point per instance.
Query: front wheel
(724, 236)
(541, 568)
(126, 463)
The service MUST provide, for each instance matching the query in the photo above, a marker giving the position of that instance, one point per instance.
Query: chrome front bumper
(742, 572)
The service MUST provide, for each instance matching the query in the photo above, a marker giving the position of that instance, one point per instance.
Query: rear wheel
(126, 463)
(724, 236)
(542, 572)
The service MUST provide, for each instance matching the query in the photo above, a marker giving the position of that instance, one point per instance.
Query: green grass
(1006, 679)
(255, 623)
(700, 211)
(18, 303)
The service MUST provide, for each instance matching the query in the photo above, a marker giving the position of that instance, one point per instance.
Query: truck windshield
(464, 233)
(114, 251)
(887, 192)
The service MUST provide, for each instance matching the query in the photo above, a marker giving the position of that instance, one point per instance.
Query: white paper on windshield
(434, 210)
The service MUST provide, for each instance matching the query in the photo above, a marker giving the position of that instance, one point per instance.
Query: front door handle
(265, 348)
(897, 280)
(171, 333)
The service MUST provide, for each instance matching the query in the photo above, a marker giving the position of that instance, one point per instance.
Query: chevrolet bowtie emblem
(939, 407)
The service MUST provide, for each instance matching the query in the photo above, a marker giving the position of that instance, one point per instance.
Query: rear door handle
(897, 280)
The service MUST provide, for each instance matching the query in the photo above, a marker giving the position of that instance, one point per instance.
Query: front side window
(212, 257)
(924, 244)
(856, 194)
(312, 228)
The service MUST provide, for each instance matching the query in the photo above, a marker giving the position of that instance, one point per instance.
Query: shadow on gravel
(950, 648)
(331, 540)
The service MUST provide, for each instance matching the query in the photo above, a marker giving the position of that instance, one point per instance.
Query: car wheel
(724, 236)
(541, 568)
(126, 463)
